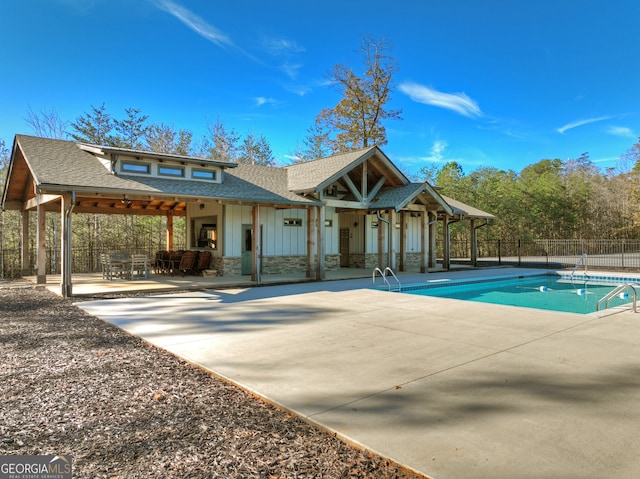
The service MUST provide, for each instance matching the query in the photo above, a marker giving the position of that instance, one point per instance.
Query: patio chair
(158, 264)
(139, 267)
(110, 269)
(203, 262)
(171, 261)
(186, 262)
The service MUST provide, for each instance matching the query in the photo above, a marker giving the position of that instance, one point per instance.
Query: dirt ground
(73, 384)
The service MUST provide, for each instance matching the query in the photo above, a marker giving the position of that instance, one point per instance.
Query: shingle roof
(60, 163)
(396, 197)
(467, 211)
(308, 175)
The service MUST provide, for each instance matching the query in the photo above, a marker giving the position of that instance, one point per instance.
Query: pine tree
(95, 127)
(356, 121)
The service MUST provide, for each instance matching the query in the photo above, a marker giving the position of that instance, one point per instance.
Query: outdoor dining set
(138, 266)
(122, 266)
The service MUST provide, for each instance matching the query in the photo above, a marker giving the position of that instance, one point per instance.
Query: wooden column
(402, 266)
(474, 244)
(170, 231)
(392, 240)
(424, 242)
(321, 231)
(41, 251)
(433, 227)
(256, 243)
(446, 238)
(312, 233)
(27, 269)
(381, 244)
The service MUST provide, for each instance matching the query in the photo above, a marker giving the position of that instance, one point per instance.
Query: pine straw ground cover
(73, 384)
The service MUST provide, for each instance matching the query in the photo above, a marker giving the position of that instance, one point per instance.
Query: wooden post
(402, 266)
(446, 256)
(27, 269)
(41, 251)
(392, 239)
(255, 246)
(433, 226)
(474, 244)
(311, 242)
(170, 231)
(424, 242)
(321, 215)
(381, 245)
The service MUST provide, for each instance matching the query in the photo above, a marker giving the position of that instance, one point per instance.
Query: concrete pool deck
(449, 388)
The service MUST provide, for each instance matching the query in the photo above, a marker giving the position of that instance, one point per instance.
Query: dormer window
(135, 167)
(201, 174)
(173, 171)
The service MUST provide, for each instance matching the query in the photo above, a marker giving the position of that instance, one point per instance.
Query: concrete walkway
(452, 389)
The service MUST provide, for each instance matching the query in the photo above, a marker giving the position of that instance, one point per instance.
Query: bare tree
(165, 139)
(46, 123)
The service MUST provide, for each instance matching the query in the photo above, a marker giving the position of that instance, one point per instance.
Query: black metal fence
(85, 259)
(610, 254)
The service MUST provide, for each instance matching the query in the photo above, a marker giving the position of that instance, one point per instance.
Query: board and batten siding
(413, 236)
(277, 239)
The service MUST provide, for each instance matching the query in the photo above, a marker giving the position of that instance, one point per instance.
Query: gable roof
(313, 176)
(398, 198)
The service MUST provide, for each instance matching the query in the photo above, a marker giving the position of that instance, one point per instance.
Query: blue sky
(497, 83)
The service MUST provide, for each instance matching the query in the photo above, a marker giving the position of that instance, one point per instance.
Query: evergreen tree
(131, 130)
(95, 127)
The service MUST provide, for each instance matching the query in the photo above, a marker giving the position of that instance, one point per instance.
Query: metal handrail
(383, 275)
(373, 277)
(619, 289)
(583, 257)
(396, 278)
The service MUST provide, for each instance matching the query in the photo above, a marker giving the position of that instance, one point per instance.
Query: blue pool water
(540, 292)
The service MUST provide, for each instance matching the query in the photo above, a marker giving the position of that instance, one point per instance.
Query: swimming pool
(548, 292)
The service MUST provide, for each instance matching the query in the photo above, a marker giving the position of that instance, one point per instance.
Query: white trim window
(138, 167)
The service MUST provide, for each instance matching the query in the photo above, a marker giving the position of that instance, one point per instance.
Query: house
(343, 211)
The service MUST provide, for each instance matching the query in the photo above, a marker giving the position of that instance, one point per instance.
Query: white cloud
(261, 100)
(195, 23)
(281, 46)
(575, 124)
(458, 102)
(437, 151)
(291, 69)
(622, 131)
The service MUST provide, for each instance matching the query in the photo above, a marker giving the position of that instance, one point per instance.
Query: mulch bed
(73, 384)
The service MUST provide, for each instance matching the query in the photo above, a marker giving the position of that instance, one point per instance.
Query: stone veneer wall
(364, 260)
(231, 265)
(412, 260)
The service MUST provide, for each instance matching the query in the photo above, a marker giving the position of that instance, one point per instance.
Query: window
(328, 223)
(134, 167)
(293, 221)
(175, 171)
(199, 174)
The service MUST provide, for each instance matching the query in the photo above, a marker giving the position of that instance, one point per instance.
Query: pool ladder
(383, 274)
(616, 291)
